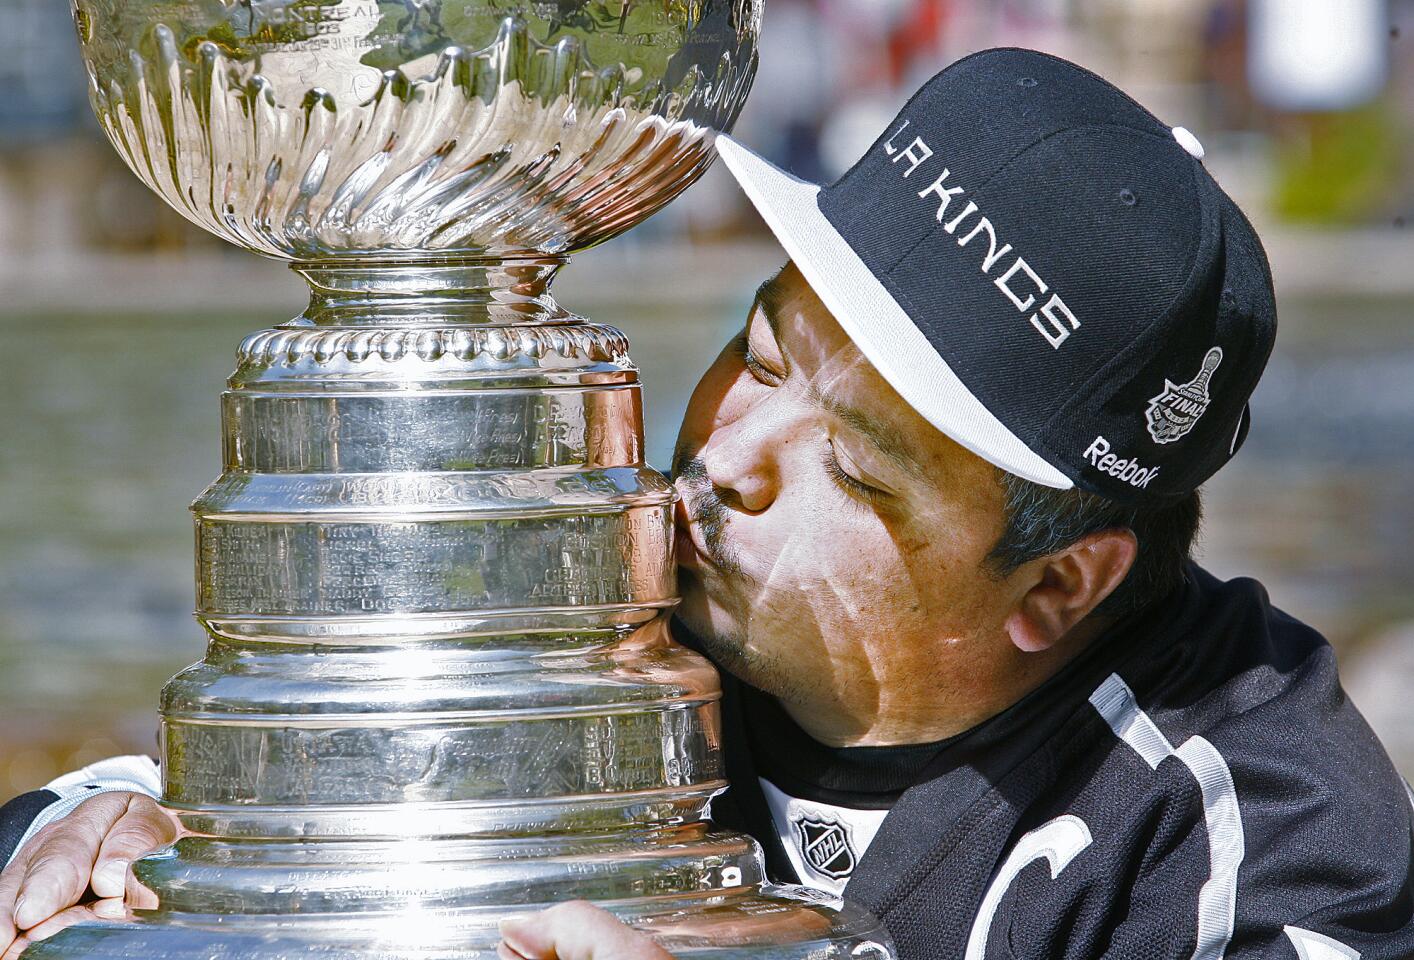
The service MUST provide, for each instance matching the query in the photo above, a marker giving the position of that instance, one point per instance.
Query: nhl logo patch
(825, 847)
(1174, 412)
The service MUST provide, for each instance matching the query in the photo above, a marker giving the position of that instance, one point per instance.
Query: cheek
(944, 583)
(867, 584)
(832, 563)
(834, 606)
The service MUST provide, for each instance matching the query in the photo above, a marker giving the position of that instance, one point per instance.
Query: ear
(1063, 588)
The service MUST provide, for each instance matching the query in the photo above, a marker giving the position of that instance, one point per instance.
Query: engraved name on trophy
(435, 570)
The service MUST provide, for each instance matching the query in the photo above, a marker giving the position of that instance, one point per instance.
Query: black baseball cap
(1045, 272)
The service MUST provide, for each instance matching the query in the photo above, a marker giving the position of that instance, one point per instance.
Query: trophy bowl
(435, 572)
(318, 130)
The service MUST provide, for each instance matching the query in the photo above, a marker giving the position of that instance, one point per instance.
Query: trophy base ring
(780, 923)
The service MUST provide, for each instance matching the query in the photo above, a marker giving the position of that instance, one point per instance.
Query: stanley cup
(435, 572)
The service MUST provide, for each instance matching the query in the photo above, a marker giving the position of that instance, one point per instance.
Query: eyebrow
(772, 303)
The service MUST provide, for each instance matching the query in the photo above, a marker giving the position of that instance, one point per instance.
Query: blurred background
(118, 322)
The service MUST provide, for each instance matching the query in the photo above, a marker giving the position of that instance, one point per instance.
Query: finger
(99, 909)
(17, 946)
(10, 879)
(519, 938)
(114, 909)
(577, 931)
(56, 875)
(51, 926)
(143, 828)
(60, 920)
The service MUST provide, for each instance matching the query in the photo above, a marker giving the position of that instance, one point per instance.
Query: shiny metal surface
(435, 571)
(318, 129)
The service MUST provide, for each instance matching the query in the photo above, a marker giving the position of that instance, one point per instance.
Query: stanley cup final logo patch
(825, 846)
(1174, 412)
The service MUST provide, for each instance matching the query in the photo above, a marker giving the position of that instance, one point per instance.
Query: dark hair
(1041, 521)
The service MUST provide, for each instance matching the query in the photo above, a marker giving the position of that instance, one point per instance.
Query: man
(938, 502)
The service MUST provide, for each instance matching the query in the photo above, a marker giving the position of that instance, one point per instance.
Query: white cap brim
(875, 321)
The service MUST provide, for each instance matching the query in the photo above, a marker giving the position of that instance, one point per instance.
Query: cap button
(1188, 142)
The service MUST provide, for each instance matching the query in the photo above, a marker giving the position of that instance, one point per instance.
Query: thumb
(577, 931)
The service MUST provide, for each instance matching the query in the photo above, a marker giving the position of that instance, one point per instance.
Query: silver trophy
(435, 573)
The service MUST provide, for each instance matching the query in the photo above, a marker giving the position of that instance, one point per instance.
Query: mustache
(707, 508)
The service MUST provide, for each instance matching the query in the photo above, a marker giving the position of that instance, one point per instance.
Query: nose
(742, 459)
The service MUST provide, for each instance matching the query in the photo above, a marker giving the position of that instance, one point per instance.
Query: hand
(574, 931)
(89, 850)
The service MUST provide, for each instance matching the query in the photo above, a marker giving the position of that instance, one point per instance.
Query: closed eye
(758, 369)
(852, 485)
(761, 369)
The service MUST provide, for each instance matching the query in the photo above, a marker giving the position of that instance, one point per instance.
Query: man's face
(832, 543)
